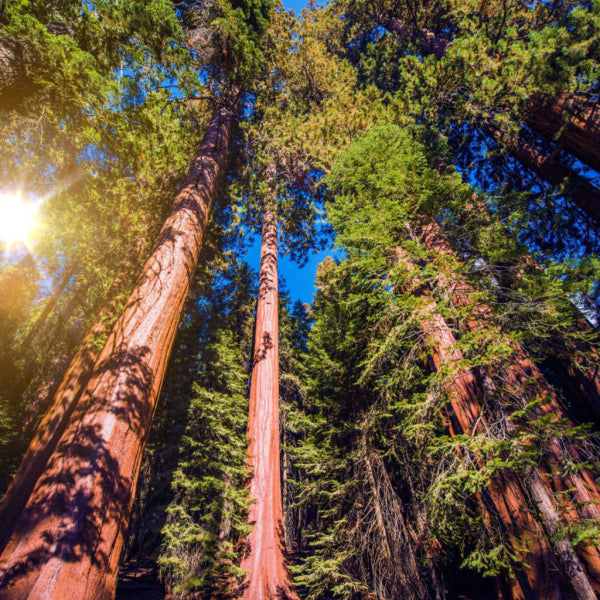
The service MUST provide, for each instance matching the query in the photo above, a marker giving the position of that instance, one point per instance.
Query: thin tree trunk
(268, 577)
(50, 304)
(64, 400)
(68, 539)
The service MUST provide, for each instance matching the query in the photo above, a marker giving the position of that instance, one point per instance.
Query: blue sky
(295, 5)
(298, 280)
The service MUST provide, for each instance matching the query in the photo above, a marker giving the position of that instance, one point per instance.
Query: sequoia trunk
(68, 539)
(573, 122)
(264, 558)
(575, 187)
(73, 382)
(523, 377)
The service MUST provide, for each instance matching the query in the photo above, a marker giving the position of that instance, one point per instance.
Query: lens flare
(17, 218)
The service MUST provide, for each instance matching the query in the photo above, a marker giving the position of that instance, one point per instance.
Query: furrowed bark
(68, 539)
(505, 502)
(264, 557)
(523, 374)
(64, 400)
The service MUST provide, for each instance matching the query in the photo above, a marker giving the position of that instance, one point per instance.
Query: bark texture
(577, 488)
(63, 402)
(264, 556)
(574, 122)
(68, 539)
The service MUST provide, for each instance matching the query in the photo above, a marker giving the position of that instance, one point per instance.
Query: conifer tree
(100, 451)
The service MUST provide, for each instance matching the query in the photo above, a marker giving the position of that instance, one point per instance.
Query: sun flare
(17, 218)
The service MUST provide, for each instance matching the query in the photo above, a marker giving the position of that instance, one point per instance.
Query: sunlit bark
(63, 401)
(68, 539)
(264, 558)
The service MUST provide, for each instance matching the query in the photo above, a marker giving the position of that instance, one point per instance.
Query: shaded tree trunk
(428, 42)
(575, 187)
(522, 377)
(68, 539)
(573, 122)
(15, 83)
(264, 556)
(50, 304)
(63, 402)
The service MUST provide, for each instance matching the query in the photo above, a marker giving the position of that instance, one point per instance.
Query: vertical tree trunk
(15, 83)
(68, 539)
(264, 558)
(73, 382)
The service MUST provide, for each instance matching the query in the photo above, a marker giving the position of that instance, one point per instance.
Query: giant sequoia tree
(98, 455)
(432, 439)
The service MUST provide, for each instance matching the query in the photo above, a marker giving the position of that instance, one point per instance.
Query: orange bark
(68, 539)
(64, 400)
(523, 376)
(264, 558)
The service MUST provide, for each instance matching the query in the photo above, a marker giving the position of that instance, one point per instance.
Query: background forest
(175, 424)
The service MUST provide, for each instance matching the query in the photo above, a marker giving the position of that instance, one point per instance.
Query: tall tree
(264, 557)
(99, 453)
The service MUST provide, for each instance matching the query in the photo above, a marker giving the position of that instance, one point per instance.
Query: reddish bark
(68, 539)
(522, 377)
(73, 382)
(576, 188)
(574, 122)
(268, 577)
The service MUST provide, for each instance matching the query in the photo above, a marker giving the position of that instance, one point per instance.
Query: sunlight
(17, 218)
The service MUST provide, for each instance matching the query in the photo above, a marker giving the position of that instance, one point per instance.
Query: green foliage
(376, 398)
(206, 514)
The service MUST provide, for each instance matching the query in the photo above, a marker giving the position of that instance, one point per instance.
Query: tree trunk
(50, 304)
(576, 188)
(64, 400)
(428, 42)
(68, 539)
(573, 122)
(523, 377)
(15, 83)
(264, 557)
